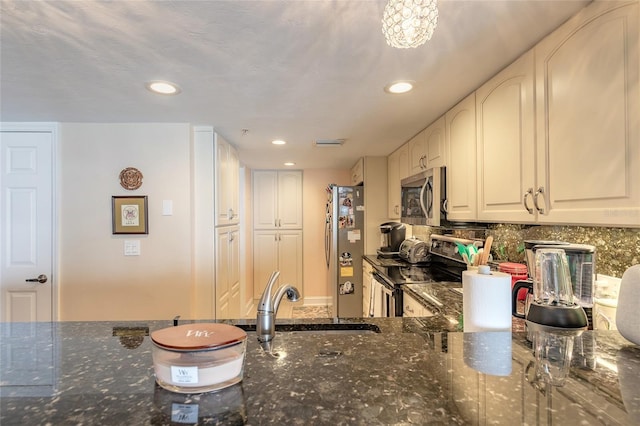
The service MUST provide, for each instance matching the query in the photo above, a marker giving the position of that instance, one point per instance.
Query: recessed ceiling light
(278, 142)
(289, 163)
(163, 87)
(399, 87)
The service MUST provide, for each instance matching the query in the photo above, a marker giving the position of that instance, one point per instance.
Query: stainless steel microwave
(424, 198)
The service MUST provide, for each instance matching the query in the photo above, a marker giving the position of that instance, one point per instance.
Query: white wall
(96, 281)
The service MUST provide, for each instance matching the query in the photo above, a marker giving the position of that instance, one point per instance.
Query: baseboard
(318, 301)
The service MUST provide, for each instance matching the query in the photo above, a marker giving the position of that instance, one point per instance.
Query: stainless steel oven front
(386, 298)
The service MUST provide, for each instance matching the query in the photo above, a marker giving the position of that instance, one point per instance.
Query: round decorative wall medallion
(131, 178)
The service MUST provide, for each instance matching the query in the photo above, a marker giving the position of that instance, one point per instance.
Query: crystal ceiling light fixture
(409, 23)
(163, 87)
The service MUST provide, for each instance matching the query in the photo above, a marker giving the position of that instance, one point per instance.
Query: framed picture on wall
(129, 214)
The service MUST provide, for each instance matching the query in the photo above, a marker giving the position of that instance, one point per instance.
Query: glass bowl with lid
(199, 357)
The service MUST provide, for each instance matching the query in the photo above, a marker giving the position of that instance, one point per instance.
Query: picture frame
(129, 214)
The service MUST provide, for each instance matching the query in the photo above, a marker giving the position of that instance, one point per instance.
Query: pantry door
(26, 222)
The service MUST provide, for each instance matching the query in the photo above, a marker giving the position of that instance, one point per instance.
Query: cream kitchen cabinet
(227, 183)
(413, 308)
(357, 173)
(576, 158)
(397, 169)
(588, 119)
(277, 199)
(505, 144)
(277, 250)
(417, 153)
(216, 268)
(427, 148)
(435, 142)
(227, 273)
(460, 124)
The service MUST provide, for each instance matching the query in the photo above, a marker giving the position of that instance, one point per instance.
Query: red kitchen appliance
(518, 271)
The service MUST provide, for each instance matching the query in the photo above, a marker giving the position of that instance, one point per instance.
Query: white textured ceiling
(295, 70)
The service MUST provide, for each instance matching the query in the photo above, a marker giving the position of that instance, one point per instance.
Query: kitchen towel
(486, 300)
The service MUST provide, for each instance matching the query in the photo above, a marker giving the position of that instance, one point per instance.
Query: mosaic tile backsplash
(617, 249)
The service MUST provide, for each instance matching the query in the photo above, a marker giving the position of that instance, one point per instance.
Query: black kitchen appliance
(443, 265)
(582, 268)
(550, 301)
(393, 234)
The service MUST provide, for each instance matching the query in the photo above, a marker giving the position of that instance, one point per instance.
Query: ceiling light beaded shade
(409, 23)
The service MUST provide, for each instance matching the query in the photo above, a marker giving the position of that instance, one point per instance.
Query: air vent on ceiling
(329, 142)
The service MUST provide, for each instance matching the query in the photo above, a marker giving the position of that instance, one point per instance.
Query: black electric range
(401, 272)
(443, 265)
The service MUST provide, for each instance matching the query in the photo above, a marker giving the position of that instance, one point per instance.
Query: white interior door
(26, 209)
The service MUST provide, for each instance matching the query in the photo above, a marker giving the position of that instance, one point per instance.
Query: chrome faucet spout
(290, 291)
(268, 307)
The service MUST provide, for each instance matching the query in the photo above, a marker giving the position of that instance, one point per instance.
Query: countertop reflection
(412, 372)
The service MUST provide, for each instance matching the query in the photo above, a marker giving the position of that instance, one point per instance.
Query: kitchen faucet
(268, 308)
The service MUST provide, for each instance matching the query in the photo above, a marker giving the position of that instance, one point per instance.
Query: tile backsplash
(617, 249)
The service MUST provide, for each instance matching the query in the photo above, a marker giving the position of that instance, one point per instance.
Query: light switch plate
(167, 207)
(132, 247)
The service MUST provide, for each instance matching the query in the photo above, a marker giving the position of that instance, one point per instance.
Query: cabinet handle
(535, 199)
(524, 200)
(396, 209)
(231, 215)
(279, 223)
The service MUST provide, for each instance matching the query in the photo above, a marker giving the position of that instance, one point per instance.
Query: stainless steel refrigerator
(344, 248)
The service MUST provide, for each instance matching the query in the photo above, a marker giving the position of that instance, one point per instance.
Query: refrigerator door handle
(327, 234)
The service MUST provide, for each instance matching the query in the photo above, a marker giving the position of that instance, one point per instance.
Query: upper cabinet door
(227, 183)
(417, 153)
(277, 199)
(435, 142)
(461, 160)
(290, 199)
(397, 169)
(265, 199)
(588, 139)
(505, 138)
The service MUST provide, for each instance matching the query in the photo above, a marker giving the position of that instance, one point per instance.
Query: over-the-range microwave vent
(329, 142)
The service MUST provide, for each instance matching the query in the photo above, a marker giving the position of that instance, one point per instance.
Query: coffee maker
(393, 234)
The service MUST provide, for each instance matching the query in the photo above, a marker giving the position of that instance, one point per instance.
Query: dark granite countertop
(412, 372)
